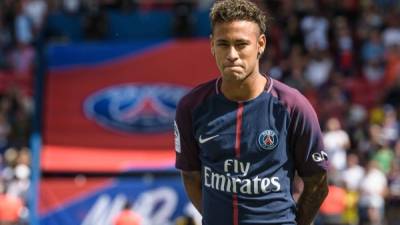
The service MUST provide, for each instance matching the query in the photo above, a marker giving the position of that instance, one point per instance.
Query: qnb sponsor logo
(319, 156)
(135, 107)
(234, 179)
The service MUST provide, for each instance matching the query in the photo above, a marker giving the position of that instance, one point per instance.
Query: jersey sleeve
(186, 148)
(306, 140)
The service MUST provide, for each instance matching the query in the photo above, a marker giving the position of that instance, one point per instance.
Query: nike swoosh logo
(202, 141)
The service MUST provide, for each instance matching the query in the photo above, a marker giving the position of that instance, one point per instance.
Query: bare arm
(192, 183)
(314, 193)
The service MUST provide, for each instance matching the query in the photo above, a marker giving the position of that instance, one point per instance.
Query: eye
(241, 45)
(222, 44)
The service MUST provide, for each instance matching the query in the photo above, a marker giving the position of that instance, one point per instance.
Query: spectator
(333, 101)
(334, 206)
(184, 21)
(345, 48)
(391, 35)
(294, 36)
(5, 42)
(11, 207)
(318, 68)
(392, 95)
(353, 174)
(372, 192)
(383, 157)
(23, 25)
(390, 125)
(373, 141)
(8, 172)
(392, 70)
(393, 198)
(350, 214)
(22, 55)
(20, 184)
(127, 216)
(4, 132)
(315, 30)
(71, 6)
(294, 75)
(373, 57)
(373, 49)
(370, 19)
(336, 142)
(36, 12)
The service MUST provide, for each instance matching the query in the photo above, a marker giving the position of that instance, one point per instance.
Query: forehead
(236, 30)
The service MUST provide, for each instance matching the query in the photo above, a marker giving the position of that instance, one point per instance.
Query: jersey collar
(267, 88)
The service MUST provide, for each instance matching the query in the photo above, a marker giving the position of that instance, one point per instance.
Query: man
(240, 138)
(11, 207)
(127, 216)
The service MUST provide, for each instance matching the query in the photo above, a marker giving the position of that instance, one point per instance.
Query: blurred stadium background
(88, 90)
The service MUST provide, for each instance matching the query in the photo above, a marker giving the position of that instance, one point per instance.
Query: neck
(244, 90)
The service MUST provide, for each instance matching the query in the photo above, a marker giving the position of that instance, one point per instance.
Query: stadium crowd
(17, 53)
(343, 55)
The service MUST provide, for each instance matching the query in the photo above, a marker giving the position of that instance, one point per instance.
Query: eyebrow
(235, 41)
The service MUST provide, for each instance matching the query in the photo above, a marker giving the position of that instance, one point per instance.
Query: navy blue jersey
(248, 151)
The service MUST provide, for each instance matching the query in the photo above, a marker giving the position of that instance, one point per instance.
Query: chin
(234, 76)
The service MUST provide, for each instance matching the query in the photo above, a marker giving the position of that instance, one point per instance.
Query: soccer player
(241, 137)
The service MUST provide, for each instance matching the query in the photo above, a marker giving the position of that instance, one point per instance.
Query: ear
(262, 42)
(212, 45)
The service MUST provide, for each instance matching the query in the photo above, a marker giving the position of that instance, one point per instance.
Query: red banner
(121, 108)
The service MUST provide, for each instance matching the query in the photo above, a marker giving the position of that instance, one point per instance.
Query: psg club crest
(268, 140)
(135, 108)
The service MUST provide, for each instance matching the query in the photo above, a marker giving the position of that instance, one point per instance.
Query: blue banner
(159, 200)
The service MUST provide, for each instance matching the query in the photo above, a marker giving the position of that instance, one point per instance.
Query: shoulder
(198, 94)
(290, 97)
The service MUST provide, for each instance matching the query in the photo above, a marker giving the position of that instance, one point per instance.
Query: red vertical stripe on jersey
(239, 117)
(235, 210)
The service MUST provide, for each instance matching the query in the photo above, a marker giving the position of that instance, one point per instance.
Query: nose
(232, 54)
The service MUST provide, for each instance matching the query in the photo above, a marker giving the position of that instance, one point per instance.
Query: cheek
(219, 61)
(220, 57)
(250, 58)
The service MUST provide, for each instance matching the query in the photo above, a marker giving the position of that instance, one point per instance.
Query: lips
(228, 66)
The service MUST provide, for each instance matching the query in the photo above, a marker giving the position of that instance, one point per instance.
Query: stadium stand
(343, 55)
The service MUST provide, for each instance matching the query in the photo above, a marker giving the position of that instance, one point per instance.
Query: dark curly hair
(231, 10)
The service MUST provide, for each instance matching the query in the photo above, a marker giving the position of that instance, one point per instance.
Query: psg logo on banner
(268, 140)
(135, 108)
